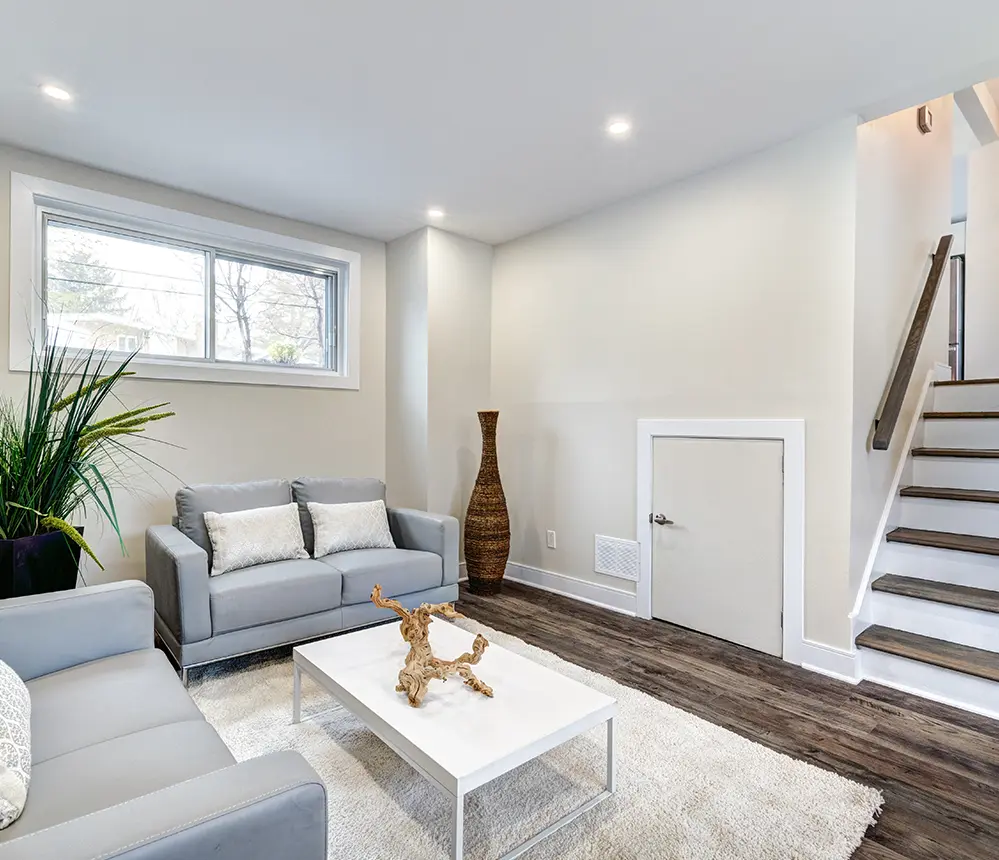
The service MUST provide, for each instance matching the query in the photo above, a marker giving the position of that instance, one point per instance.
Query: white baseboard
(816, 657)
(826, 660)
(604, 596)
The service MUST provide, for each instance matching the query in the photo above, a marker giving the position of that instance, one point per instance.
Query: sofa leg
(183, 676)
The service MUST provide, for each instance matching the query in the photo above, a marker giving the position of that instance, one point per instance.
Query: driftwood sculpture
(422, 666)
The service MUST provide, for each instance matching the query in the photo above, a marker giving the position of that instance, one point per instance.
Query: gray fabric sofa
(123, 763)
(201, 619)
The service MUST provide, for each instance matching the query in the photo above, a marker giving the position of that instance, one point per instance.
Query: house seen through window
(126, 291)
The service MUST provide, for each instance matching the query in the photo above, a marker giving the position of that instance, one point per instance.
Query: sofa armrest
(44, 633)
(177, 571)
(437, 533)
(269, 807)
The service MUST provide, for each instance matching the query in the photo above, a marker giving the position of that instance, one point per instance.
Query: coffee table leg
(296, 707)
(458, 826)
(610, 754)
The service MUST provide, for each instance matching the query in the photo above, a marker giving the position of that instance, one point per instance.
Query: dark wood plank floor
(937, 767)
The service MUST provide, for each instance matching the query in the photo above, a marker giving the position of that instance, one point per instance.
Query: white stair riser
(932, 682)
(966, 398)
(937, 620)
(972, 518)
(940, 565)
(961, 433)
(970, 474)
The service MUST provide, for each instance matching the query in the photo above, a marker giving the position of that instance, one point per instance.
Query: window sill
(192, 370)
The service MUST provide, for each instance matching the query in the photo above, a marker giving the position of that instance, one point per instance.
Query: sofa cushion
(272, 592)
(120, 769)
(104, 699)
(397, 571)
(331, 491)
(192, 502)
(15, 745)
(247, 538)
(350, 525)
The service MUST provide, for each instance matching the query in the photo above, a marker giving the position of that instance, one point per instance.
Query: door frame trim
(791, 431)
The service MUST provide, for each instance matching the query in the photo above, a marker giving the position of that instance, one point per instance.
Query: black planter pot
(38, 564)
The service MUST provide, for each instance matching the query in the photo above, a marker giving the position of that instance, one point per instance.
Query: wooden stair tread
(937, 652)
(968, 414)
(961, 453)
(945, 540)
(954, 494)
(939, 592)
(982, 381)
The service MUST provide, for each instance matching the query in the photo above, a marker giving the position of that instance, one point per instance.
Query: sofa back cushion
(331, 491)
(193, 502)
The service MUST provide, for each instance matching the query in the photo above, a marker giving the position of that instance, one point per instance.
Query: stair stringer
(860, 616)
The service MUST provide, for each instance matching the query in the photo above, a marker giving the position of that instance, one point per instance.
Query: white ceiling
(359, 115)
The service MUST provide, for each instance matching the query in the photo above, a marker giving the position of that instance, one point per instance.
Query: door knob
(660, 520)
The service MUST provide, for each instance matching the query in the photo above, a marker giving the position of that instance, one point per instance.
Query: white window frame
(32, 198)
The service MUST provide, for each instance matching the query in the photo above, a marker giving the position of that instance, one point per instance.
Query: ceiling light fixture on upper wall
(618, 127)
(56, 93)
(435, 213)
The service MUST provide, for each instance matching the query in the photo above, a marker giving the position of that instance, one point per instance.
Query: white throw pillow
(246, 538)
(352, 525)
(15, 745)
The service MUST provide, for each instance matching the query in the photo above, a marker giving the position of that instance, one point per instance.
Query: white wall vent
(616, 557)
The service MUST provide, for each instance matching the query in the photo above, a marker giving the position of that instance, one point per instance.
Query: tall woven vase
(487, 523)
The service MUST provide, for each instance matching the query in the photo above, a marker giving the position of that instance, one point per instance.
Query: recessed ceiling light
(435, 212)
(57, 93)
(618, 127)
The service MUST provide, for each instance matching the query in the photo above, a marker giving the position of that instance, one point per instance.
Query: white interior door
(717, 560)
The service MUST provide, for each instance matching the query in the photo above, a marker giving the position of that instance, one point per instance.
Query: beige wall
(460, 280)
(903, 208)
(438, 367)
(981, 307)
(226, 432)
(728, 295)
(406, 359)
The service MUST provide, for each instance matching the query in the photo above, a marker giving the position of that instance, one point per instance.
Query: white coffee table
(458, 739)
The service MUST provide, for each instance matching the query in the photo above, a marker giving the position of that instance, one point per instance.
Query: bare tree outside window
(234, 290)
(269, 314)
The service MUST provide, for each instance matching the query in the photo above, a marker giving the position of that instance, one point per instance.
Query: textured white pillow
(352, 525)
(246, 538)
(15, 745)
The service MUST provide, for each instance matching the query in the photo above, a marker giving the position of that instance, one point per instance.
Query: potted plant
(59, 458)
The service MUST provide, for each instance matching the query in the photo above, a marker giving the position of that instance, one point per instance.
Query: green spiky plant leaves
(57, 457)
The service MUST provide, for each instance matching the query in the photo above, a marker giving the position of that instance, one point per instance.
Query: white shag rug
(686, 789)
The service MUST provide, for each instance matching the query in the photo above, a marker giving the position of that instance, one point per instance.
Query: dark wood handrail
(884, 426)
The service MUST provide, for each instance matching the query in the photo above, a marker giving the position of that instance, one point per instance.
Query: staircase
(929, 623)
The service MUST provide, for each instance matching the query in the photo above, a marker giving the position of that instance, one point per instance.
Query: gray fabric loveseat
(123, 763)
(202, 618)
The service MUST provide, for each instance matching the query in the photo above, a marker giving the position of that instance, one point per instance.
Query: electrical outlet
(551, 539)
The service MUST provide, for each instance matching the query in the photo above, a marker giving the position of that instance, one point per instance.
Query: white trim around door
(792, 432)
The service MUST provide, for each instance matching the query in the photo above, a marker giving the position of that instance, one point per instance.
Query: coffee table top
(457, 736)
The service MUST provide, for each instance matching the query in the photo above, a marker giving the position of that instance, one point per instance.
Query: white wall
(903, 208)
(981, 298)
(727, 295)
(225, 432)
(438, 367)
